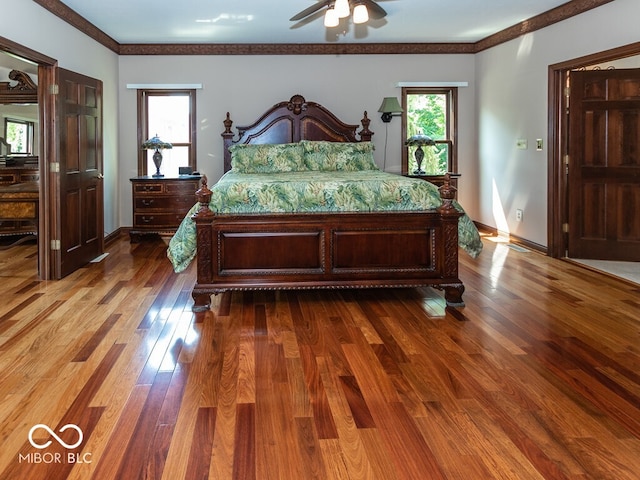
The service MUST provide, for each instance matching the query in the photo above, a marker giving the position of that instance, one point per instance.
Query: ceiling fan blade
(307, 20)
(310, 10)
(375, 11)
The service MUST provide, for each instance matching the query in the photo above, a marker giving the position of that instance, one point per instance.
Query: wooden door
(604, 165)
(80, 218)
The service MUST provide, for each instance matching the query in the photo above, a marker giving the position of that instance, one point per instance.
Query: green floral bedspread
(316, 191)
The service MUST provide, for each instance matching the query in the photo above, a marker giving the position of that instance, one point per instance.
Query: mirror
(19, 114)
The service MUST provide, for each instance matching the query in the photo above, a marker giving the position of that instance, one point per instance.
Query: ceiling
(261, 21)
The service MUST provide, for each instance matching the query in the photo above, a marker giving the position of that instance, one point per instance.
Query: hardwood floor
(538, 377)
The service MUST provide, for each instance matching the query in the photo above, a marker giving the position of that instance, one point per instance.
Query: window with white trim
(430, 111)
(19, 134)
(171, 115)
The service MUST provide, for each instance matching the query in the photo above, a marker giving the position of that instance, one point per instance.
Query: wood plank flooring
(538, 377)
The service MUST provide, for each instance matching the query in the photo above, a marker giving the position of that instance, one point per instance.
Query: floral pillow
(335, 156)
(267, 158)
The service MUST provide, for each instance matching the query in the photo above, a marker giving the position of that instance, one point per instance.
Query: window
(432, 112)
(19, 134)
(169, 114)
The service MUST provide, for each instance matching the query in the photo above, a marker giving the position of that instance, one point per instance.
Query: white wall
(506, 100)
(34, 27)
(511, 100)
(246, 86)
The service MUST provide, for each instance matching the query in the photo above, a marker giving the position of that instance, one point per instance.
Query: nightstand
(160, 203)
(437, 180)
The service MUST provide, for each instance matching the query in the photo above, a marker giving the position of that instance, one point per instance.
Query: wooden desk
(19, 208)
(23, 173)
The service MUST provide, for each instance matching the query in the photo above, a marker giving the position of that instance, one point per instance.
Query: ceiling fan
(337, 9)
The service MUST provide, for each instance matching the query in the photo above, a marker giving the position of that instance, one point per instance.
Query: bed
(251, 231)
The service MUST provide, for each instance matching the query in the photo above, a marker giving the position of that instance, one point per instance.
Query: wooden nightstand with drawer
(160, 203)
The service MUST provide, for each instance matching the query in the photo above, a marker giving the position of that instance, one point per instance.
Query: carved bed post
(447, 194)
(227, 139)
(365, 133)
(204, 219)
(452, 291)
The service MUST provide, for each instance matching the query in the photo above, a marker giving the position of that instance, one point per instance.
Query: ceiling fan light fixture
(342, 8)
(361, 11)
(360, 14)
(331, 18)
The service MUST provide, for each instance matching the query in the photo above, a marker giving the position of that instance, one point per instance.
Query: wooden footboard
(326, 250)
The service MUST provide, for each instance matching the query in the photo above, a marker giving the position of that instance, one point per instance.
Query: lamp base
(157, 161)
(419, 155)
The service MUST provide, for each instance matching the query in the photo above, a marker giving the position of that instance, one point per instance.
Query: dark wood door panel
(81, 228)
(604, 165)
(92, 201)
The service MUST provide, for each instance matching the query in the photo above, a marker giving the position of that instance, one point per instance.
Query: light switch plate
(521, 144)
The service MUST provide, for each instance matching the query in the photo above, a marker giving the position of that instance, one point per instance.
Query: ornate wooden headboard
(24, 91)
(292, 121)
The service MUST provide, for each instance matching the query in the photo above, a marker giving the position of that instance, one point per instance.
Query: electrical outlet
(519, 214)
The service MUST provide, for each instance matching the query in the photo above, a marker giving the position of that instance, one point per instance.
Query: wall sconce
(390, 106)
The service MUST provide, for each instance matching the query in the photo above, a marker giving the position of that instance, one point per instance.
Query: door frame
(558, 121)
(47, 153)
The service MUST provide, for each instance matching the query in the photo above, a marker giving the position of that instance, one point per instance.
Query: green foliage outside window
(427, 115)
(18, 136)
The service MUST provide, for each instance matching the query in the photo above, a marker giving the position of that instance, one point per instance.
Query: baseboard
(113, 236)
(512, 238)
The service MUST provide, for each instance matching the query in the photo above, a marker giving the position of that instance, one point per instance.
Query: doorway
(564, 194)
(44, 66)
(71, 204)
(603, 175)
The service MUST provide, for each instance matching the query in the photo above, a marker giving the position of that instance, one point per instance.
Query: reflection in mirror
(20, 89)
(19, 133)
(19, 128)
(19, 116)
(19, 151)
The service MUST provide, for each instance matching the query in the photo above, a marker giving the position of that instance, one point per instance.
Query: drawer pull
(147, 203)
(147, 219)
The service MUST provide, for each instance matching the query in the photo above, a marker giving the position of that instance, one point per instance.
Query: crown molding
(60, 10)
(294, 49)
(555, 15)
(562, 12)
